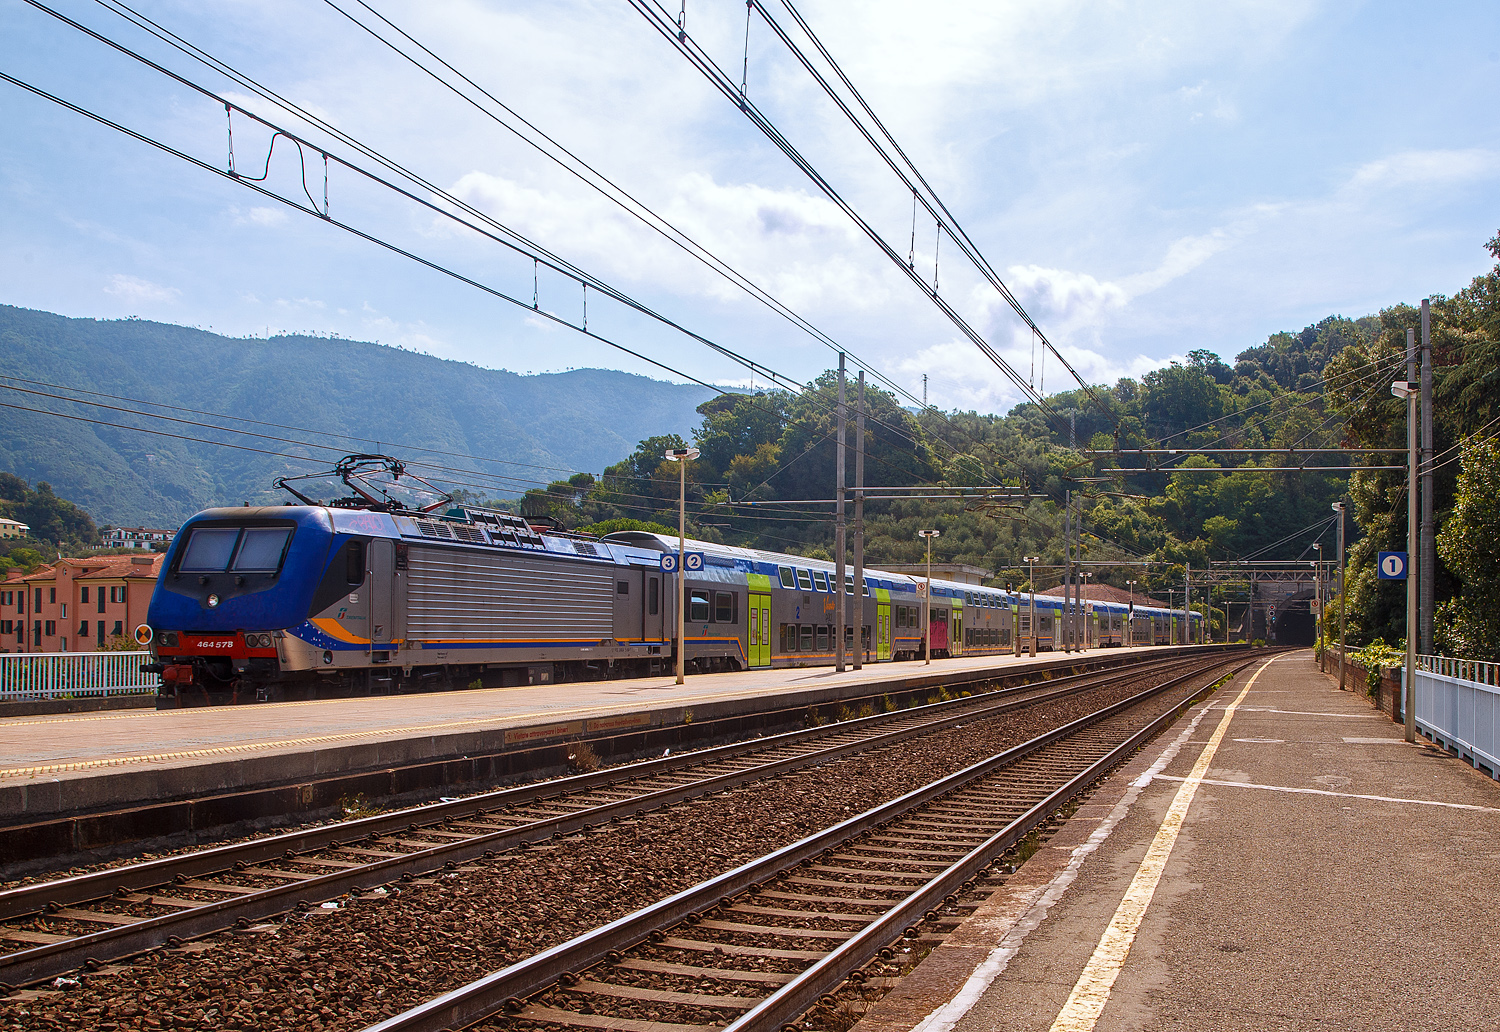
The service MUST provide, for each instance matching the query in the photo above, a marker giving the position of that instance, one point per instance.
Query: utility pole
(1031, 583)
(1067, 621)
(841, 592)
(1338, 507)
(927, 600)
(924, 390)
(859, 527)
(1409, 701)
(1428, 565)
(681, 456)
(1187, 603)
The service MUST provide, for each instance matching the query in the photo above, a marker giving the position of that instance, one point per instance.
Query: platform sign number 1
(1392, 565)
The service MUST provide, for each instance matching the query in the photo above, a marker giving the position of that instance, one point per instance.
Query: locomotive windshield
(242, 549)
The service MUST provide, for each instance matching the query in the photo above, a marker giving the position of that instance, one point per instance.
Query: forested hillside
(1326, 386)
(352, 396)
(768, 459)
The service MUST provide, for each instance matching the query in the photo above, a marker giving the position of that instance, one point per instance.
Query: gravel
(383, 953)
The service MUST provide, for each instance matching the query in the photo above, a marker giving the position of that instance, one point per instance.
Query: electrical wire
(498, 233)
(716, 76)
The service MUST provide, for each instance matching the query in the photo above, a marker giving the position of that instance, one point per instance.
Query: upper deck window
(788, 577)
(804, 581)
(820, 581)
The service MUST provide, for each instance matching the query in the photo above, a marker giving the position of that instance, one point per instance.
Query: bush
(1376, 655)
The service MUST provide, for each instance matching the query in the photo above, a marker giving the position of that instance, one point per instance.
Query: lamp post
(1338, 507)
(1031, 584)
(927, 600)
(1318, 592)
(1129, 635)
(1083, 608)
(681, 456)
(1408, 390)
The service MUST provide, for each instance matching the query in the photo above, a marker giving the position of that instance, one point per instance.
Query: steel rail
(508, 988)
(26, 899)
(45, 961)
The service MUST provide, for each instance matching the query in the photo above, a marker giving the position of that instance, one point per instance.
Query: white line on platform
(1336, 795)
(1086, 1002)
(1041, 899)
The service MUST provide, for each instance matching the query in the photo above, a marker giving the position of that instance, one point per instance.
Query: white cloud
(1426, 168)
(135, 290)
(261, 216)
(790, 242)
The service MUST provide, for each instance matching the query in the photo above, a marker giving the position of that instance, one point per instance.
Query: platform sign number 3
(691, 561)
(1392, 565)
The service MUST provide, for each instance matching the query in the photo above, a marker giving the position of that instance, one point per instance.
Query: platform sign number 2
(692, 561)
(1392, 565)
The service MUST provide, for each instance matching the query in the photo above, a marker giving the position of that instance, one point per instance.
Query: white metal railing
(74, 675)
(1458, 706)
(1476, 670)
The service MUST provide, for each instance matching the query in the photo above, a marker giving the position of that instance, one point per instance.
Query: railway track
(88, 920)
(755, 948)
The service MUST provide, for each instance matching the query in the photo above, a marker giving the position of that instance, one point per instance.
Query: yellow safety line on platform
(1086, 1002)
(226, 750)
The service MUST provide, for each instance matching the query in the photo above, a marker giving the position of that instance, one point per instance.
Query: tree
(1469, 625)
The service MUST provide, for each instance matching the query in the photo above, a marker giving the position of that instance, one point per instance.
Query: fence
(74, 675)
(1458, 707)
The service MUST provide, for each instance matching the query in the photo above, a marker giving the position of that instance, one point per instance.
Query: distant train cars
(303, 601)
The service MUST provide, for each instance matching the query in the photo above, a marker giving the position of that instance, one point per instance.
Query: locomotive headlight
(213, 601)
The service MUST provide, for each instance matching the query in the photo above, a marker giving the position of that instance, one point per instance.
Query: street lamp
(1338, 507)
(681, 456)
(1408, 391)
(1031, 583)
(927, 599)
(1318, 591)
(1084, 605)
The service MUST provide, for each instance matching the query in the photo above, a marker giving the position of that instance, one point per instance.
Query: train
(301, 601)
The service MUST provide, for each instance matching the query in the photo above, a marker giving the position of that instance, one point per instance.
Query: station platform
(1280, 859)
(55, 768)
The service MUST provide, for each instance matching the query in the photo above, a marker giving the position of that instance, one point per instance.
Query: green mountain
(309, 389)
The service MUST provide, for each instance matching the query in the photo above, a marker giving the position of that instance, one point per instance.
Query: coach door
(760, 630)
(651, 608)
(378, 588)
(883, 631)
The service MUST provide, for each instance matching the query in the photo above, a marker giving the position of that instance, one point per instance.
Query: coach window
(804, 580)
(805, 636)
(822, 637)
(622, 587)
(725, 608)
(788, 576)
(820, 581)
(698, 607)
(788, 638)
(653, 596)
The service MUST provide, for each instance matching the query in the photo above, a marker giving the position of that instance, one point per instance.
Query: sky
(1147, 178)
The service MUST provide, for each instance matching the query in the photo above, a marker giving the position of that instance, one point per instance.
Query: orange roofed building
(77, 605)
